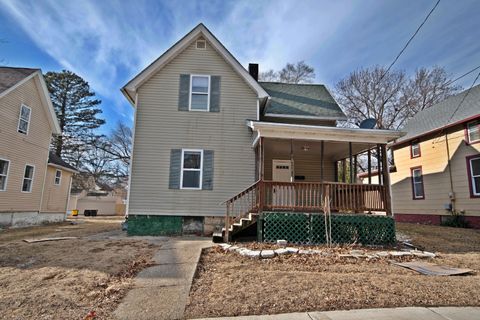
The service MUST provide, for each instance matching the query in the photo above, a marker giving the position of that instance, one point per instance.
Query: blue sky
(108, 42)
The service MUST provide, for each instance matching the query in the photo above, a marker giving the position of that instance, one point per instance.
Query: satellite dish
(368, 123)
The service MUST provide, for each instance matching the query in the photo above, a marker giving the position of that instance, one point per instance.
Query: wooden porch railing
(308, 196)
(305, 197)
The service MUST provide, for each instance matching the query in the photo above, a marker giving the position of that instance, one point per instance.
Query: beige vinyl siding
(160, 127)
(436, 179)
(55, 197)
(306, 163)
(23, 149)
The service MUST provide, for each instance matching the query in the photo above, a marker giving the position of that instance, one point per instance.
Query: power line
(463, 99)
(463, 75)
(440, 133)
(408, 42)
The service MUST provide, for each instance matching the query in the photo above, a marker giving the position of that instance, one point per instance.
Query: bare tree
(427, 88)
(269, 76)
(106, 160)
(391, 98)
(297, 73)
(291, 73)
(119, 144)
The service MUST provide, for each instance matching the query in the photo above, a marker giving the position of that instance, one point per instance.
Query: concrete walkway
(410, 313)
(161, 291)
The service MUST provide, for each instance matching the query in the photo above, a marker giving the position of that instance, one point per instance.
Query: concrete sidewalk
(409, 313)
(161, 291)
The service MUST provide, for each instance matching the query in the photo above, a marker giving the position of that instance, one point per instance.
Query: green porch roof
(301, 100)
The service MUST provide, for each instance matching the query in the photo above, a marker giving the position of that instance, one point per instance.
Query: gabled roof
(56, 161)
(131, 87)
(444, 114)
(301, 100)
(11, 78)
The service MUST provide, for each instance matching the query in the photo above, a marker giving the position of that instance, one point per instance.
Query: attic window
(201, 44)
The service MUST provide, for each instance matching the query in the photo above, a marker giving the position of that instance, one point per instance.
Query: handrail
(304, 196)
(244, 190)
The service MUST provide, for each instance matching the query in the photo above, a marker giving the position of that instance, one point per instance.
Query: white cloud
(94, 39)
(108, 42)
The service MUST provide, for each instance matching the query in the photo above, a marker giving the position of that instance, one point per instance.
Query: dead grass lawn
(228, 284)
(67, 279)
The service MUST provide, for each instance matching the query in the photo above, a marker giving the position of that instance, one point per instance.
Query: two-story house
(34, 184)
(211, 141)
(437, 163)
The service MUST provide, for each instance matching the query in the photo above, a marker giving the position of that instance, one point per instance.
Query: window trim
(20, 119)
(23, 178)
(191, 92)
(414, 197)
(59, 178)
(201, 169)
(6, 176)
(470, 176)
(467, 134)
(417, 142)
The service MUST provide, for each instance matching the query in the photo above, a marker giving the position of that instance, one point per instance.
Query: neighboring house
(438, 162)
(34, 187)
(208, 133)
(105, 200)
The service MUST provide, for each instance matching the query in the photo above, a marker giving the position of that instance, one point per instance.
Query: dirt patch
(228, 284)
(439, 238)
(67, 279)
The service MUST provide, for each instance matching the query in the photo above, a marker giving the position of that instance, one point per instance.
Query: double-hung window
(24, 119)
(28, 178)
(473, 164)
(473, 131)
(415, 149)
(192, 165)
(200, 93)
(417, 183)
(4, 166)
(58, 177)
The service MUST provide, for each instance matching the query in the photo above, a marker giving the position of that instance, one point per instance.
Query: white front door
(282, 170)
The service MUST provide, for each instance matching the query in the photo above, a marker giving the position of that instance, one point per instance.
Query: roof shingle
(443, 114)
(54, 159)
(10, 76)
(308, 100)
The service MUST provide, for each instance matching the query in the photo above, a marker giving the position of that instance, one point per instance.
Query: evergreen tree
(77, 111)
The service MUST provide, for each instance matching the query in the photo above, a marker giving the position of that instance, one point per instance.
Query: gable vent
(201, 44)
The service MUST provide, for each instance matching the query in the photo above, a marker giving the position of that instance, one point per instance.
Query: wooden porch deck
(305, 197)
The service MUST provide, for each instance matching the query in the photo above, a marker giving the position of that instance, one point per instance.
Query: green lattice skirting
(303, 228)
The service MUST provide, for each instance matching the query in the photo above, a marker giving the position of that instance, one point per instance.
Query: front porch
(312, 169)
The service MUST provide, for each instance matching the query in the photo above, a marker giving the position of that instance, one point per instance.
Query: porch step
(236, 227)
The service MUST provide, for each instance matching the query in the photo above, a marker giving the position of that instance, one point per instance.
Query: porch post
(379, 165)
(355, 168)
(321, 160)
(292, 164)
(226, 235)
(386, 180)
(369, 165)
(261, 190)
(335, 168)
(262, 160)
(344, 170)
(350, 159)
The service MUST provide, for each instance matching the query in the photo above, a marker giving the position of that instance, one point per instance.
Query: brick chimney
(253, 70)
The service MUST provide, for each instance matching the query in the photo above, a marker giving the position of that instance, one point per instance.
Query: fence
(307, 228)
